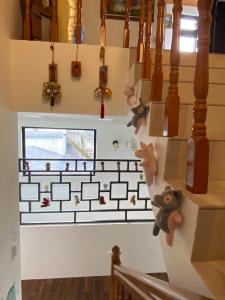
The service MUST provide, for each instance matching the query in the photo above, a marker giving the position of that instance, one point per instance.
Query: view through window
(188, 37)
(52, 143)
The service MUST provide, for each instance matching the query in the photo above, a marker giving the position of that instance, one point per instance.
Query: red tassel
(102, 113)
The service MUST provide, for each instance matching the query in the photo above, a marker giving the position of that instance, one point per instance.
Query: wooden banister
(147, 49)
(78, 27)
(140, 46)
(157, 77)
(27, 20)
(171, 120)
(103, 24)
(126, 32)
(54, 21)
(129, 284)
(198, 144)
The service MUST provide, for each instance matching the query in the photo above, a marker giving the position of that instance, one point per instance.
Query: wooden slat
(54, 21)
(157, 77)
(140, 45)
(198, 144)
(78, 28)
(171, 120)
(27, 20)
(147, 66)
(126, 33)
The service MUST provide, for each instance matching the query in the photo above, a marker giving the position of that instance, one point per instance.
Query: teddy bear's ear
(167, 188)
(143, 145)
(179, 196)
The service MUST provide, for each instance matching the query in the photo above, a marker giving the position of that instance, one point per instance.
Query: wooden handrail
(157, 77)
(140, 46)
(54, 22)
(126, 32)
(171, 119)
(27, 21)
(78, 27)
(142, 286)
(198, 144)
(147, 66)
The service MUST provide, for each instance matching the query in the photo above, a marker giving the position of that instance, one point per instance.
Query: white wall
(9, 213)
(82, 250)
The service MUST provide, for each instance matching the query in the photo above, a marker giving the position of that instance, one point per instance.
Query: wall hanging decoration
(139, 116)
(51, 89)
(102, 200)
(76, 65)
(102, 91)
(133, 200)
(45, 202)
(149, 162)
(77, 200)
(168, 218)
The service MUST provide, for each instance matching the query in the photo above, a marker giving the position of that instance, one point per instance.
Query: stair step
(213, 274)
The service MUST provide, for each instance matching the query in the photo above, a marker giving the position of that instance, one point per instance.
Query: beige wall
(29, 69)
(9, 214)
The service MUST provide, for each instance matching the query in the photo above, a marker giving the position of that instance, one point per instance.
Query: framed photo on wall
(116, 9)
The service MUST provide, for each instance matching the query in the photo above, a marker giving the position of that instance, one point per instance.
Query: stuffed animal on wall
(149, 162)
(140, 112)
(130, 93)
(168, 218)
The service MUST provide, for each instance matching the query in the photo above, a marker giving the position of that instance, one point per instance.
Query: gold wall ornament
(51, 89)
(52, 92)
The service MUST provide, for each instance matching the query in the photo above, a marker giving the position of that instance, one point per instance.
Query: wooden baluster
(27, 21)
(54, 22)
(198, 144)
(103, 24)
(115, 260)
(171, 120)
(78, 28)
(140, 46)
(147, 51)
(121, 292)
(157, 77)
(126, 33)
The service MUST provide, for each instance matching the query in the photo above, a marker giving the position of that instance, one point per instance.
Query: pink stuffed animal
(149, 162)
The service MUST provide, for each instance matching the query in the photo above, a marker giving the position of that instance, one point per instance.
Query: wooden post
(78, 28)
(171, 119)
(140, 46)
(103, 24)
(126, 33)
(27, 21)
(115, 260)
(198, 144)
(54, 22)
(147, 51)
(157, 77)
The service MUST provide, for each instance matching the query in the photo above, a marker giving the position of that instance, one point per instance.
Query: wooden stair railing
(27, 20)
(140, 45)
(171, 119)
(157, 77)
(78, 27)
(198, 144)
(129, 284)
(103, 24)
(147, 66)
(54, 21)
(126, 32)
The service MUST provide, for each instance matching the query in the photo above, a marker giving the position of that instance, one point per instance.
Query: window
(188, 37)
(52, 143)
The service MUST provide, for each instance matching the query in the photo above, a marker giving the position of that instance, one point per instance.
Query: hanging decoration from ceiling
(51, 89)
(76, 65)
(102, 91)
